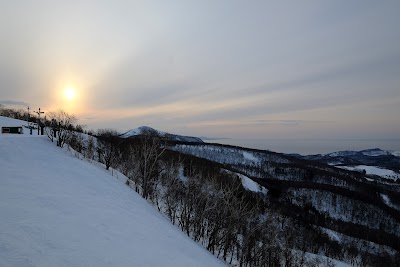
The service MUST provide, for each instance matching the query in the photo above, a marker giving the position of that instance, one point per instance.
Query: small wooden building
(12, 130)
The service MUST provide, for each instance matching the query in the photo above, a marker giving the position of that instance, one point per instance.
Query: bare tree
(90, 148)
(61, 121)
(77, 142)
(108, 142)
(147, 151)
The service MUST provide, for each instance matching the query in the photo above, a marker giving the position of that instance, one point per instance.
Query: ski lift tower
(38, 120)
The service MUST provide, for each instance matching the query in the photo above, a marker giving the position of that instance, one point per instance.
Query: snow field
(57, 210)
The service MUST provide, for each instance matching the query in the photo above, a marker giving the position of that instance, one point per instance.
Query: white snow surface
(374, 171)
(10, 122)
(58, 210)
(251, 185)
(395, 153)
(333, 235)
(324, 259)
(141, 130)
(375, 153)
(341, 153)
(386, 199)
(250, 156)
(334, 163)
(388, 202)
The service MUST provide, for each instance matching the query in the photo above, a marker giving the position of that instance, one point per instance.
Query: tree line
(211, 206)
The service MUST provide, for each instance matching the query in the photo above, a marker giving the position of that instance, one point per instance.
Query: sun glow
(69, 93)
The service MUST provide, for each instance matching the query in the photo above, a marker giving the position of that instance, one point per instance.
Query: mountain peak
(146, 129)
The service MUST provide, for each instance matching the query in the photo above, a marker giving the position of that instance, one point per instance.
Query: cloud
(291, 122)
(13, 103)
(258, 122)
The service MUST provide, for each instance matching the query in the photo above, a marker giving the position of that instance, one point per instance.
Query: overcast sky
(240, 69)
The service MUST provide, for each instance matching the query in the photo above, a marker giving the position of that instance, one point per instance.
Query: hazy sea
(312, 146)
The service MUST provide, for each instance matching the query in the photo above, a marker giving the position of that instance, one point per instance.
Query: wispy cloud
(281, 68)
(291, 122)
(13, 103)
(257, 122)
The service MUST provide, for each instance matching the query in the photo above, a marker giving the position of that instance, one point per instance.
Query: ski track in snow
(57, 210)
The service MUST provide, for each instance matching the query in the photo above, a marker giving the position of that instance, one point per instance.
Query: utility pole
(38, 120)
(29, 118)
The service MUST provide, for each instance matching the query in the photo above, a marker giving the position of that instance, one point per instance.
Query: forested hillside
(298, 210)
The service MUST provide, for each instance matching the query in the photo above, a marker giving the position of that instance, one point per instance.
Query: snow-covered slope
(57, 210)
(342, 153)
(395, 153)
(374, 152)
(374, 171)
(10, 122)
(138, 131)
(145, 129)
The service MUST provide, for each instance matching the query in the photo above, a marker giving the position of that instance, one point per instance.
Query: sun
(69, 93)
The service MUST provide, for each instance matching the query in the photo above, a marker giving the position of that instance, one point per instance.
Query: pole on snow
(38, 120)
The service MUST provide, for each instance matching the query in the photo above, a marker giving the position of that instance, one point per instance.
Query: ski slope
(57, 210)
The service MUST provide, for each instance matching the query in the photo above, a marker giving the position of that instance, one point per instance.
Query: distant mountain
(371, 157)
(204, 138)
(142, 130)
(374, 152)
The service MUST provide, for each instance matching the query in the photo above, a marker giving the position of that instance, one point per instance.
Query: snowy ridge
(139, 131)
(227, 155)
(395, 153)
(378, 162)
(374, 171)
(342, 153)
(61, 211)
(374, 152)
(146, 129)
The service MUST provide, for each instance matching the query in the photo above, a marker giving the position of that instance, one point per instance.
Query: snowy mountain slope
(138, 131)
(57, 210)
(389, 174)
(395, 153)
(249, 184)
(374, 158)
(145, 129)
(228, 154)
(374, 152)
